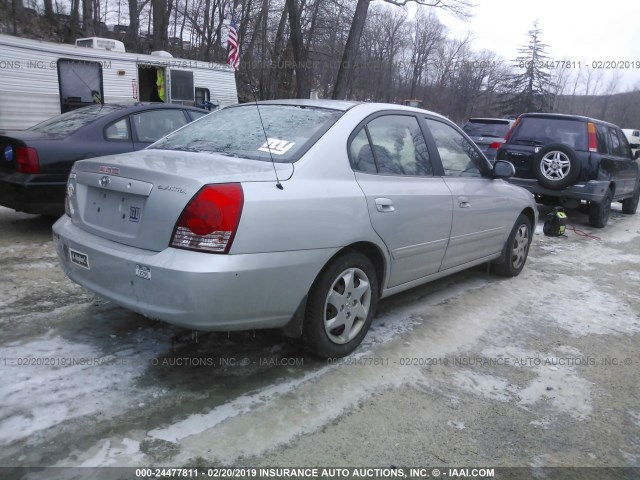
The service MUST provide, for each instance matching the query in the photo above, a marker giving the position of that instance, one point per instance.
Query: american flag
(233, 57)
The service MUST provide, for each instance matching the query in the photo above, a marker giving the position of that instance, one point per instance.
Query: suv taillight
(27, 160)
(591, 135)
(209, 221)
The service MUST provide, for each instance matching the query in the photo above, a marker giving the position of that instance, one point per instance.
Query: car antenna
(254, 91)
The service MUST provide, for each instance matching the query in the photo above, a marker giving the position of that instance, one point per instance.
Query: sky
(585, 32)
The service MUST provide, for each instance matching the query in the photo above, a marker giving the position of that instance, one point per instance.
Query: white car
(290, 214)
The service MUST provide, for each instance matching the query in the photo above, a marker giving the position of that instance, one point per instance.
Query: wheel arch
(531, 215)
(370, 250)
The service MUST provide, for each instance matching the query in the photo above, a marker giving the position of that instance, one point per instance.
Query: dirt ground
(472, 370)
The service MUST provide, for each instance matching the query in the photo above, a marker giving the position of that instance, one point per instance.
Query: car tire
(630, 205)
(599, 212)
(516, 250)
(341, 305)
(556, 166)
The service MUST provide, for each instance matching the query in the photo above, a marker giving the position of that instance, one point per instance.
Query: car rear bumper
(36, 198)
(191, 289)
(592, 191)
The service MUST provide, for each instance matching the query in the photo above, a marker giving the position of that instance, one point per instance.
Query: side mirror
(503, 169)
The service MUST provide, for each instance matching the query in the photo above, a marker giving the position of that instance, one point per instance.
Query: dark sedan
(35, 163)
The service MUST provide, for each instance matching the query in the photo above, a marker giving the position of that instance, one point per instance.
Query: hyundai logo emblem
(105, 181)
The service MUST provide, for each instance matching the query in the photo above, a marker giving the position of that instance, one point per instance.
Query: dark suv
(572, 161)
(488, 133)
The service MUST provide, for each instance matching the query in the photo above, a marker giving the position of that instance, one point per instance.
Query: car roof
(563, 116)
(146, 105)
(344, 105)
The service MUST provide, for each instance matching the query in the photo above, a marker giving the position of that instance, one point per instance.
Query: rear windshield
(486, 129)
(542, 131)
(238, 131)
(67, 123)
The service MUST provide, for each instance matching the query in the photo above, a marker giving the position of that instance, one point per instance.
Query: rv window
(203, 98)
(80, 83)
(181, 85)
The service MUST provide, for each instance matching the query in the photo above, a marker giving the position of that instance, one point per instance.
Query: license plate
(79, 258)
(143, 272)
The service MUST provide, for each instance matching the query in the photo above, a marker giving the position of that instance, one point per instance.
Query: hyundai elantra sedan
(293, 214)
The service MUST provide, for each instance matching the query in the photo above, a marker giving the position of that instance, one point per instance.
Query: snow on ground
(93, 362)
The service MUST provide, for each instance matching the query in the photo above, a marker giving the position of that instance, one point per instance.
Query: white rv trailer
(41, 79)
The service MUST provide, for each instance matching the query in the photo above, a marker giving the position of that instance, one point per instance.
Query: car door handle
(384, 205)
(463, 202)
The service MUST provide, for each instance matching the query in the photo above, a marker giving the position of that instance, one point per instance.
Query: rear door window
(118, 130)
(601, 137)
(391, 144)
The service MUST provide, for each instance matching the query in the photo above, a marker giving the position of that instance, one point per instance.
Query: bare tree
(457, 7)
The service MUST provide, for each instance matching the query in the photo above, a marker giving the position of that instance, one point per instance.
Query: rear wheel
(630, 205)
(599, 212)
(516, 249)
(341, 306)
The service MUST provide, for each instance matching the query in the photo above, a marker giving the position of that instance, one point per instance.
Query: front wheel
(516, 249)
(341, 306)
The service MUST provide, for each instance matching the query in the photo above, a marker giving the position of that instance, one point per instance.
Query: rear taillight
(27, 160)
(495, 145)
(209, 221)
(591, 135)
(70, 194)
(515, 124)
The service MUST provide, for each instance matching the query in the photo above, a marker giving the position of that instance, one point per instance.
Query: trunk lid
(137, 198)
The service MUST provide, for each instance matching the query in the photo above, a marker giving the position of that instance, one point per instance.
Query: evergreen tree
(530, 89)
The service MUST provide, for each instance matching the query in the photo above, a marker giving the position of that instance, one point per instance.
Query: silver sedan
(290, 214)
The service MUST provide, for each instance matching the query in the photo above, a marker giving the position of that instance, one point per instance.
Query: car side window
(624, 145)
(155, 124)
(458, 156)
(197, 115)
(616, 147)
(601, 137)
(397, 147)
(117, 130)
(361, 153)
